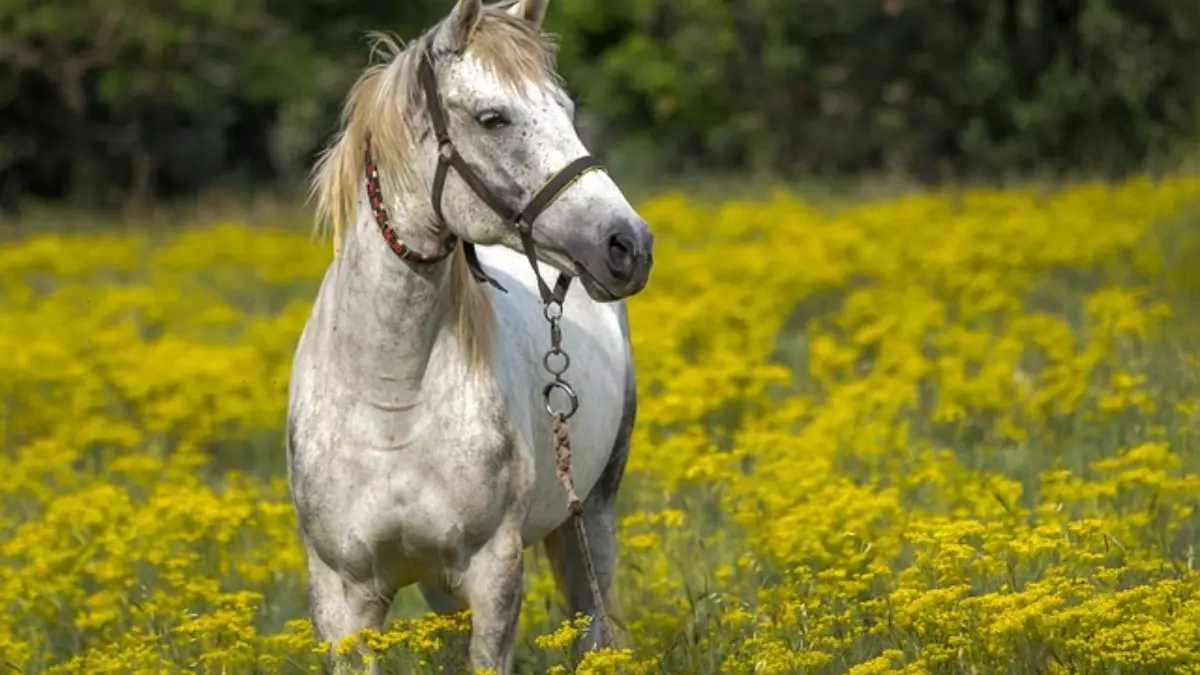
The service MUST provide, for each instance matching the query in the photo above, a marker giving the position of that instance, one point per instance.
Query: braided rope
(562, 456)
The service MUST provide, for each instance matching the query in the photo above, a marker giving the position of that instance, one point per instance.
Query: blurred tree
(937, 88)
(143, 96)
(156, 97)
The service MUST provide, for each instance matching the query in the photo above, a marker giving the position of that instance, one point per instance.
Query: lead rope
(556, 362)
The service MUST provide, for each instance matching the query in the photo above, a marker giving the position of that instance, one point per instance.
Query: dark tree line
(107, 100)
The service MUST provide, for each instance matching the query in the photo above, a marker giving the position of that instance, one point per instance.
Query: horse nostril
(621, 255)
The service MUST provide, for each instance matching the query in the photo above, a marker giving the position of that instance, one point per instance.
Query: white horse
(419, 450)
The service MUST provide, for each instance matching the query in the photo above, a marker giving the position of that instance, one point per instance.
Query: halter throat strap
(383, 221)
(522, 220)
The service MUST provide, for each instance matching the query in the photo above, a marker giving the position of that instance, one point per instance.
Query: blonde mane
(386, 103)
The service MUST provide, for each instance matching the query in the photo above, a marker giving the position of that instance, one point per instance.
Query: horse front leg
(341, 608)
(492, 587)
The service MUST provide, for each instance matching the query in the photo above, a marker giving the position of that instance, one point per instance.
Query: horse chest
(428, 491)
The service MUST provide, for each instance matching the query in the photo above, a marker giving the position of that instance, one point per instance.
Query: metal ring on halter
(566, 361)
(554, 315)
(571, 396)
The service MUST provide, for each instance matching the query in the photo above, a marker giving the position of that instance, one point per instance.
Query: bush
(114, 98)
(933, 88)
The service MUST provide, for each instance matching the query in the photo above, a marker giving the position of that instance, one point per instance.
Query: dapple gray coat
(418, 447)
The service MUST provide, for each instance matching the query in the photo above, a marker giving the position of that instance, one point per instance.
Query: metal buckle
(566, 389)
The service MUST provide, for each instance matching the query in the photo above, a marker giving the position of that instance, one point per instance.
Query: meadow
(953, 431)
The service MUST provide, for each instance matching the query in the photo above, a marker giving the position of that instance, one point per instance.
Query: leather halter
(449, 158)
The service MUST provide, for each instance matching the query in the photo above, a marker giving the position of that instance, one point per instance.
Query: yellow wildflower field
(949, 432)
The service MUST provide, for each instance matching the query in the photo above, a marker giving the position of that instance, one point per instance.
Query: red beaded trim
(375, 195)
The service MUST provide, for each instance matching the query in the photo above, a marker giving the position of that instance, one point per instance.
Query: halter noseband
(449, 158)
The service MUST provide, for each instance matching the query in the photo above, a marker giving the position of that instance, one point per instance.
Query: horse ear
(533, 11)
(460, 25)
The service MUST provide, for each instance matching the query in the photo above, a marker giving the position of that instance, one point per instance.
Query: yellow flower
(952, 430)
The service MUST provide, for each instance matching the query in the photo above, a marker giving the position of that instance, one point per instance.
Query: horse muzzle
(618, 265)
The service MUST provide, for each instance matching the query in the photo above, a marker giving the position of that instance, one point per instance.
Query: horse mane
(387, 103)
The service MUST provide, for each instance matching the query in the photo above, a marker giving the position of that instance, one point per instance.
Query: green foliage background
(111, 98)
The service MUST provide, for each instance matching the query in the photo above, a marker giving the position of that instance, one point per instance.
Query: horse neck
(388, 315)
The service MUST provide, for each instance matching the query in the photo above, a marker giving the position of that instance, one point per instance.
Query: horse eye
(491, 119)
